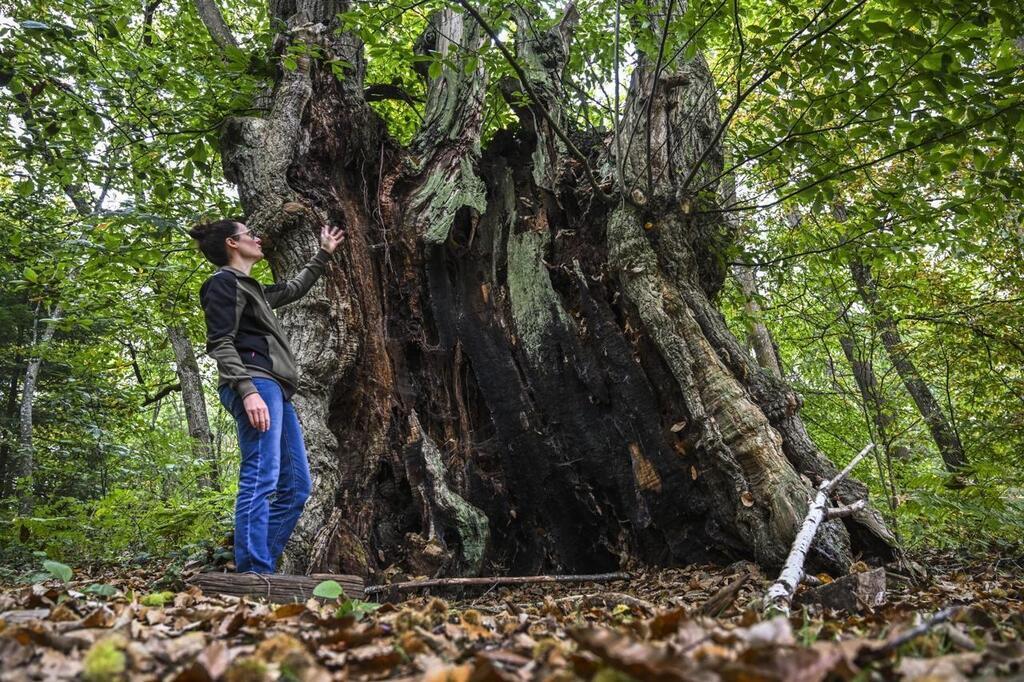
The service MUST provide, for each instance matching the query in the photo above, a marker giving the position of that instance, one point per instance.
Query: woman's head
(218, 239)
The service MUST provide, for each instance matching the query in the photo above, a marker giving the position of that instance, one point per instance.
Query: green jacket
(244, 335)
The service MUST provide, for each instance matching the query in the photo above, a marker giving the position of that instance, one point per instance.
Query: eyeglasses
(239, 235)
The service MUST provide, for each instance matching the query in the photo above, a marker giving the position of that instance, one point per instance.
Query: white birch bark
(24, 461)
(780, 594)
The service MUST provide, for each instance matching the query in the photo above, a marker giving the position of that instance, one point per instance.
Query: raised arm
(295, 288)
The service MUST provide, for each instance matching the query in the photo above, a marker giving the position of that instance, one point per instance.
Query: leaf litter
(694, 623)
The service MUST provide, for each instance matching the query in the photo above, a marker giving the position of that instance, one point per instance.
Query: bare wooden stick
(895, 642)
(606, 598)
(845, 510)
(780, 594)
(507, 580)
(724, 598)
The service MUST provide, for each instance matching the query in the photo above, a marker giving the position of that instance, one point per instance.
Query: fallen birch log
(507, 580)
(780, 594)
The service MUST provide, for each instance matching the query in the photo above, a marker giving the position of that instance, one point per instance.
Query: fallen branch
(846, 510)
(610, 598)
(507, 580)
(780, 594)
(725, 597)
(899, 640)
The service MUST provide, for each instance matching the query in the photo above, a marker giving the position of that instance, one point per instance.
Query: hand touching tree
(330, 237)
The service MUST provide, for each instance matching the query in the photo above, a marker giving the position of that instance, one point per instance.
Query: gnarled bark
(500, 373)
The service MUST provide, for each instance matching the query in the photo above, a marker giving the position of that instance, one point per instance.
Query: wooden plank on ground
(279, 589)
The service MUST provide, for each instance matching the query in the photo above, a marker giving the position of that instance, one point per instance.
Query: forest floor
(659, 625)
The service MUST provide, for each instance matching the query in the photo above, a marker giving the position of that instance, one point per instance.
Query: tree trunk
(10, 417)
(503, 371)
(874, 402)
(195, 406)
(24, 461)
(758, 336)
(945, 437)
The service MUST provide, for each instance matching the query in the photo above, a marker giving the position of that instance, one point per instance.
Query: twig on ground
(611, 597)
(507, 580)
(724, 598)
(894, 643)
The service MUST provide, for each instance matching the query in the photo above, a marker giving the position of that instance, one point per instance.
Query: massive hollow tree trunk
(946, 438)
(503, 371)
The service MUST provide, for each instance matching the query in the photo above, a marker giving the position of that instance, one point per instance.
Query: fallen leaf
(949, 668)
(289, 611)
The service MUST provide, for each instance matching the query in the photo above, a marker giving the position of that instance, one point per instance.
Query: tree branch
(382, 91)
(210, 14)
(771, 70)
(871, 162)
(780, 594)
(845, 510)
(162, 393)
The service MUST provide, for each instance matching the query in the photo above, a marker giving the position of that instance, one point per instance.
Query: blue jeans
(273, 479)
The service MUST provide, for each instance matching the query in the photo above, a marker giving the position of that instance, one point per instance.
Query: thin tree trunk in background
(946, 439)
(10, 417)
(867, 384)
(875, 411)
(24, 460)
(758, 336)
(195, 406)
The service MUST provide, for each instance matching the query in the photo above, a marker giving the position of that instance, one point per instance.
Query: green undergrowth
(988, 510)
(125, 525)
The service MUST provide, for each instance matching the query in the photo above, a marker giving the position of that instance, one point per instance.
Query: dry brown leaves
(656, 627)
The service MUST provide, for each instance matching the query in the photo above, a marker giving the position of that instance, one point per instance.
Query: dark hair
(211, 238)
